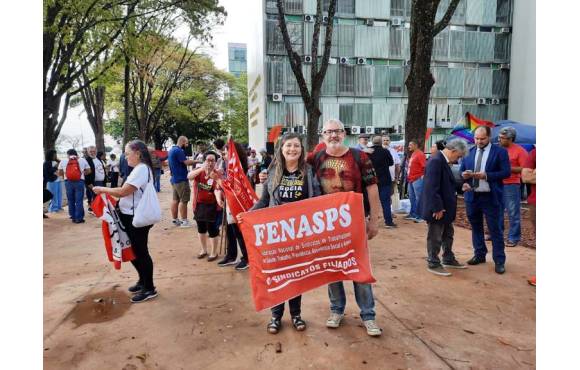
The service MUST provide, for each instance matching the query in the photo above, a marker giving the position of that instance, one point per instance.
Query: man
(74, 170)
(363, 142)
(439, 205)
(339, 170)
(382, 160)
(415, 172)
(178, 163)
(99, 167)
(483, 171)
(511, 186)
(395, 169)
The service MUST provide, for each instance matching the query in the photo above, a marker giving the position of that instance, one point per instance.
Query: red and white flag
(117, 242)
(237, 188)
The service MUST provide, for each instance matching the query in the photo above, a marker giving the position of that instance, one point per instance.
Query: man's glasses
(330, 132)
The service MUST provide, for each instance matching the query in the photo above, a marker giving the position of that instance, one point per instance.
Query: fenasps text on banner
(297, 247)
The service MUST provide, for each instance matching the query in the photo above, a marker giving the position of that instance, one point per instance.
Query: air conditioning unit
(277, 97)
(361, 60)
(495, 101)
(370, 22)
(307, 59)
(343, 60)
(504, 66)
(308, 18)
(406, 63)
(319, 131)
(331, 60)
(370, 130)
(325, 19)
(396, 22)
(355, 130)
(300, 130)
(481, 101)
(505, 30)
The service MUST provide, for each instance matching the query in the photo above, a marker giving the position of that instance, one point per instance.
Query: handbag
(148, 211)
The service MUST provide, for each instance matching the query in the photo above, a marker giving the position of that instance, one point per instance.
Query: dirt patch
(100, 307)
(528, 234)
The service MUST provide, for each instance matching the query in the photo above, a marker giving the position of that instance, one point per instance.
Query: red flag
(237, 188)
(117, 242)
(274, 134)
(300, 246)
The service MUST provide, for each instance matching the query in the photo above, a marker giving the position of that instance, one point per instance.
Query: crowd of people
(491, 176)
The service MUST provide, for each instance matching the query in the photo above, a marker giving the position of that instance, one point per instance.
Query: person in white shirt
(75, 186)
(114, 170)
(130, 194)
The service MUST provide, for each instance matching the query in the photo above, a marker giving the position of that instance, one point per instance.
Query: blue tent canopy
(526, 134)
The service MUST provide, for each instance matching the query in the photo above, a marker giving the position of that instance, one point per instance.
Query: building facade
(364, 84)
(237, 59)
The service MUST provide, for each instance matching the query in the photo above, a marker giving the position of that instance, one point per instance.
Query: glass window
(500, 83)
(346, 80)
(295, 114)
(486, 46)
(455, 82)
(345, 7)
(396, 80)
(381, 80)
(397, 8)
(502, 47)
(363, 114)
(470, 83)
(457, 45)
(275, 76)
(346, 41)
(275, 41)
(346, 114)
(459, 14)
(441, 44)
(329, 84)
(293, 6)
(291, 81)
(363, 81)
(503, 12)
(440, 75)
(485, 82)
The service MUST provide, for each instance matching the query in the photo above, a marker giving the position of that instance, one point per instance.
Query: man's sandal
(298, 323)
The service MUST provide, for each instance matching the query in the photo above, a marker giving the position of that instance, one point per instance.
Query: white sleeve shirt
(139, 178)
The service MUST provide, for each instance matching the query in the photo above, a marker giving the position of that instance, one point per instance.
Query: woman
(290, 179)
(51, 181)
(253, 164)
(130, 194)
(206, 204)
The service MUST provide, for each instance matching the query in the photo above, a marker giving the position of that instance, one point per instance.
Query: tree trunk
(127, 118)
(312, 126)
(48, 137)
(420, 79)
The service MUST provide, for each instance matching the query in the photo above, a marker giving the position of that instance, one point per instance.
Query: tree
(311, 98)
(236, 109)
(420, 80)
(66, 142)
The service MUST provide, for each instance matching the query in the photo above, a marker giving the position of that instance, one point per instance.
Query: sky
(234, 30)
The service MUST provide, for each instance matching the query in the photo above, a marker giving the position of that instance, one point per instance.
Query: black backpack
(356, 154)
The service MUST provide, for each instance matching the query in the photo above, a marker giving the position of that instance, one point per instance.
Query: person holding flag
(138, 157)
(290, 179)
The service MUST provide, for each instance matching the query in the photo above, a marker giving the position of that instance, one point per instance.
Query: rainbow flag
(465, 131)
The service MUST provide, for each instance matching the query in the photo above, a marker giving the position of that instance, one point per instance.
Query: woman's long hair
(278, 165)
(141, 147)
(49, 155)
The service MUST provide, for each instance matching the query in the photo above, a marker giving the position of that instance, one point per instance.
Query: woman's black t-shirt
(292, 187)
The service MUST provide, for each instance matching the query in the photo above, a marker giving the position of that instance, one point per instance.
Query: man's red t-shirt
(205, 189)
(343, 173)
(518, 157)
(416, 165)
(531, 163)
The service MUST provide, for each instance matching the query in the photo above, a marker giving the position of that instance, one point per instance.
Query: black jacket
(438, 190)
(382, 160)
(48, 172)
(90, 178)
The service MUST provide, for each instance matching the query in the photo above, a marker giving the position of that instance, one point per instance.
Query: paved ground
(204, 318)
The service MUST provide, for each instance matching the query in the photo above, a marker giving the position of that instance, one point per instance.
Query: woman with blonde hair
(290, 179)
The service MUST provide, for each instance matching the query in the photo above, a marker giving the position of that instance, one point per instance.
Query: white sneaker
(372, 328)
(185, 224)
(176, 222)
(334, 320)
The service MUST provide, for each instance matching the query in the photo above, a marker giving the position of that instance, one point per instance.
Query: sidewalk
(204, 318)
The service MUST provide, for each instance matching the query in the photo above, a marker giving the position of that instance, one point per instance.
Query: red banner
(237, 188)
(297, 247)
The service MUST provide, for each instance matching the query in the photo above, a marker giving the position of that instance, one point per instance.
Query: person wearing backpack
(340, 169)
(74, 170)
(130, 195)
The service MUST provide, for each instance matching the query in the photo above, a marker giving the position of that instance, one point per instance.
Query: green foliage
(236, 109)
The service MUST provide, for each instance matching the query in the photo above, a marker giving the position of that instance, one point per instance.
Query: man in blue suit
(439, 205)
(483, 171)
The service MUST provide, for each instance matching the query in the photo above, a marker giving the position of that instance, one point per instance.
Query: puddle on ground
(100, 307)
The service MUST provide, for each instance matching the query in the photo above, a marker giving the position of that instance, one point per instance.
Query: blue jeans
(75, 190)
(511, 203)
(157, 179)
(56, 202)
(385, 197)
(481, 205)
(415, 190)
(364, 298)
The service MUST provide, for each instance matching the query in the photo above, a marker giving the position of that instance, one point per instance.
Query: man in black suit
(483, 171)
(439, 205)
(382, 160)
